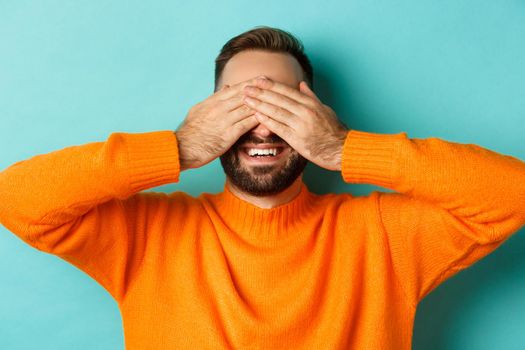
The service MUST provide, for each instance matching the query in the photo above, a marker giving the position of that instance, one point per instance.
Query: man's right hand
(212, 126)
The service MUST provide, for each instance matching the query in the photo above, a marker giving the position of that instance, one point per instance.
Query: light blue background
(72, 72)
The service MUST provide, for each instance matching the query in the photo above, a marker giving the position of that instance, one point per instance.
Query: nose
(261, 131)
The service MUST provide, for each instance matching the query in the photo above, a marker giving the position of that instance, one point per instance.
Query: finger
(286, 90)
(240, 113)
(243, 126)
(282, 130)
(280, 114)
(277, 99)
(304, 88)
(223, 94)
(231, 103)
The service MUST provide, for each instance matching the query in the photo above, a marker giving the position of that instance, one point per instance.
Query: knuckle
(265, 83)
(245, 83)
(242, 110)
(239, 111)
(281, 112)
(254, 102)
(313, 103)
(238, 126)
(273, 110)
(305, 110)
(310, 112)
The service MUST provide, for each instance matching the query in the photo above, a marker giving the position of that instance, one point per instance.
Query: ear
(305, 89)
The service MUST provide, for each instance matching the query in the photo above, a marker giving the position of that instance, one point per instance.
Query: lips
(280, 150)
(259, 151)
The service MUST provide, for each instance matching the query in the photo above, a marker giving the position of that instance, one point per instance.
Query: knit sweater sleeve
(82, 203)
(453, 203)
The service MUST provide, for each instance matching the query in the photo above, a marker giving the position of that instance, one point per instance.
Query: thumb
(304, 88)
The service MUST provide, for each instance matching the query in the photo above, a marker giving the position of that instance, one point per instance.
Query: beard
(262, 180)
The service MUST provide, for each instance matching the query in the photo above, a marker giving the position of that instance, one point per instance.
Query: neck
(270, 201)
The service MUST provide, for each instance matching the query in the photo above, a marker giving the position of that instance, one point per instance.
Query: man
(266, 264)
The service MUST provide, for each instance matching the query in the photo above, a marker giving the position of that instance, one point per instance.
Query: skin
(280, 103)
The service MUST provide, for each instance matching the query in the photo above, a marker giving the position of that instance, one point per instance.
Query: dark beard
(262, 180)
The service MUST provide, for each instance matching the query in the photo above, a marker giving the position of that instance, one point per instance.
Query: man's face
(244, 163)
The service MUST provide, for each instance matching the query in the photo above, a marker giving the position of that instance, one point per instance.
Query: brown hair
(267, 39)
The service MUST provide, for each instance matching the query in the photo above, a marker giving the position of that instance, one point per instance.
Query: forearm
(475, 184)
(51, 189)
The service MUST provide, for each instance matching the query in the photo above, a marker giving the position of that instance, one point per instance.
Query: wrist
(185, 159)
(338, 150)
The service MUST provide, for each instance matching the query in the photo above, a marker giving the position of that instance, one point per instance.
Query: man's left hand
(299, 118)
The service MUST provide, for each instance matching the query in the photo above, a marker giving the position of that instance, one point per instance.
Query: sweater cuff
(370, 157)
(153, 159)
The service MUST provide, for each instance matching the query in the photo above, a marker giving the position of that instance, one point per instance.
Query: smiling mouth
(266, 152)
(263, 154)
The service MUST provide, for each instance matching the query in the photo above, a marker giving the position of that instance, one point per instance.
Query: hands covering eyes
(300, 118)
(212, 126)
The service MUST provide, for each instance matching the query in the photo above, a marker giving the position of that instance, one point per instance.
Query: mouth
(263, 154)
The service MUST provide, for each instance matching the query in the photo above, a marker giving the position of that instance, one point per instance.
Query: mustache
(250, 138)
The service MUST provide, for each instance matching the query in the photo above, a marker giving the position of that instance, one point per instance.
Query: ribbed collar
(265, 226)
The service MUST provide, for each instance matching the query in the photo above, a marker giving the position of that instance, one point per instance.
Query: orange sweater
(331, 271)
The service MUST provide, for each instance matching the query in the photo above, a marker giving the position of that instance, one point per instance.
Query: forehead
(248, 64)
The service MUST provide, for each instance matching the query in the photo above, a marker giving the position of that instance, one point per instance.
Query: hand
(212, 126)
(301, 119)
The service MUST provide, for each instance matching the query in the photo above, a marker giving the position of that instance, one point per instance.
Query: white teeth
(261, 152)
